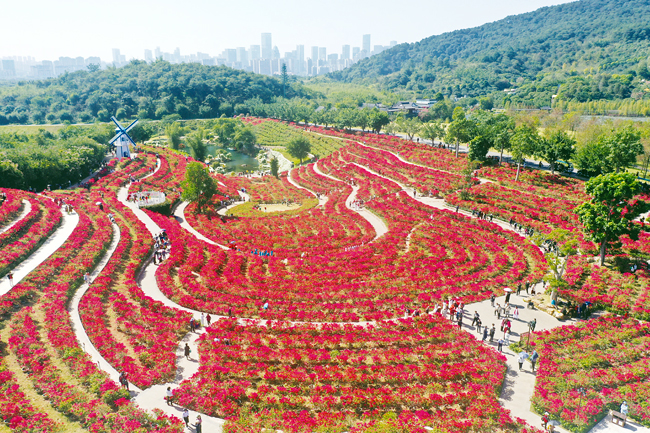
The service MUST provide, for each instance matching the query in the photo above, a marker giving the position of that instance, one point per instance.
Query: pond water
(239, 163)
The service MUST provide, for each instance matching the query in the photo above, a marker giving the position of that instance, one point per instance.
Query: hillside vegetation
(590, 49)
(150, 91)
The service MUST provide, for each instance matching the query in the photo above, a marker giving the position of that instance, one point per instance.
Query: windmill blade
(118, 135)
(116, 122)
(131, 140)
(131, 126)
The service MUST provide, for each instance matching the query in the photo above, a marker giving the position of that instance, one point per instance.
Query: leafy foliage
(198, 186)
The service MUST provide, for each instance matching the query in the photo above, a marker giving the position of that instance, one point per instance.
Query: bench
(618, 418)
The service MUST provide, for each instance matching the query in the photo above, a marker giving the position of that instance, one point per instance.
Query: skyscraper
(314, 55)
(345, 52)
(148, 56)
(322, 54)
(158, 53)
(116, 55)
(242, 56)
(300, 60)
(267, 46)
(255, 53)
(366, 45)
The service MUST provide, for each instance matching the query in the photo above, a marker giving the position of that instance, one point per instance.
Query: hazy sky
(47, 29)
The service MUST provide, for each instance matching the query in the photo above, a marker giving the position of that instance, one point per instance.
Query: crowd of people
(162, 246)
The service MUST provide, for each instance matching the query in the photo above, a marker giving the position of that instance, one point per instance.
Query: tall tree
(460, 129)
(173, 133)
(524, 143)
(275, 166)
(198, 186)
(299, 147)
(378, 119)
(624, 146)
(285, 79)
(611, 211)
(245, 139)
(432, 130)
(198, 148)
(557, 147)
(410, 127)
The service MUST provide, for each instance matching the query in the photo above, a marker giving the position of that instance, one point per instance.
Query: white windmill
(122, 139)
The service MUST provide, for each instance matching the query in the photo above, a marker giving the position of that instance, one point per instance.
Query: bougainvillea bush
(419, 372)
(608, 357)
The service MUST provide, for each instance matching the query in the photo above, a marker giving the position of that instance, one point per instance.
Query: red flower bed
(422, 372)
(29, 233)
(607, 357)
(12, 206)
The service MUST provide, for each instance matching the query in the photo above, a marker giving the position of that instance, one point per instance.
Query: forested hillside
(150, 91)
(591, 49)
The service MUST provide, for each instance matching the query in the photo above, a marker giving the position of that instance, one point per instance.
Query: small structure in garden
(122, 139)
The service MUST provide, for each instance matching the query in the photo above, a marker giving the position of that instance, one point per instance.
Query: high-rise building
(158, 53)
(231, 55)
(177, 55)
(366, 45)
(276, 53)
(322, 55)
(299, 67)
(242, 56)
(314, 55)
(148, 56)
(267, 46)
(255, 53)
(345, 52)
(8, 68)
(116, 56)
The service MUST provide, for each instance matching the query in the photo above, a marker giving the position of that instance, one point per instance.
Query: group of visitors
(262, 253)
(482, 215)
(519, 228)
(162, 246)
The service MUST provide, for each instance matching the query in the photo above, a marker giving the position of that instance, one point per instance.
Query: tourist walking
(170, 396)
(187, 351)
(186, 417)
(492, 298)
(532, 324)
(485, 333)
(492, 331)
(523, 356)
(10, 277)
(199, 424)
(500, 345)
(533, 358)
(476, 318)
(515, 313)
(208, 318)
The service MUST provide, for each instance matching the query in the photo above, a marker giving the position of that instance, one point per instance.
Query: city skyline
(76, 28)
(264, 58)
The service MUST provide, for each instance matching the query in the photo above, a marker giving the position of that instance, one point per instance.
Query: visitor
(476, 318)
(485, 333)
(515, 313)
(500, 345)
(523, 355)
(624, 408)
(170, 396)
(492, 298)
(187, 351)
(186, 417)
(532, 324)
(533, 358)
(10, 277)
(199, 424)
(492, 331)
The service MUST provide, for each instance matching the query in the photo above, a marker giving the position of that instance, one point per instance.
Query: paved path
(179, 214)
(377, 223)
(27, 208)
(53, 243)
(75, 317)
(321, 200)
(283, 163)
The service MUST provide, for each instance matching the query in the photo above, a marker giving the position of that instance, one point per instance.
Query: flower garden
(317, 339)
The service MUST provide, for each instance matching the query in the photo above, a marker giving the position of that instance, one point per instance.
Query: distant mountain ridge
(587, 50)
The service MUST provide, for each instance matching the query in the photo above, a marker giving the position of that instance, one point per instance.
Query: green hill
(592, 49)
(150, 91)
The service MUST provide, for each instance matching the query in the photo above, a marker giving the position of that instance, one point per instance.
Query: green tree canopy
(461, 129)
(197, 145)
(275, 166)
(198, 187)
(173, 133)
(378, 119)
(299, 147)
(611, 211)
(524, 142)
(557, 147)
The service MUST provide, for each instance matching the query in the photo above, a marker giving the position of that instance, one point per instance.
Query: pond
(240, 162)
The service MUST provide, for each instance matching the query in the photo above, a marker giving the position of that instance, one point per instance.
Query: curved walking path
(27, 208)
(53, 243)
(75, 317)
(179, 214)
(377, 223)
(321, 200)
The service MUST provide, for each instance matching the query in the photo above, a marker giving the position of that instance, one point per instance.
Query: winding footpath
(377, 223)
(49, 247)
(27, 208)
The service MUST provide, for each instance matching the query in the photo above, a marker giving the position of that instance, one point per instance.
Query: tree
(378, 119)
(460, 129)
(479, 147)
(245, 140)
(346, 118)
(299, 147)
(565, 244)
(611, 211)
(275, 166)
(410, 127)
(198, 186)
(285, 78)
(432, 130)
(362, 119)
(590, 158)
(524, 142)
(173, 133)
(624, 146)
(557, 147)
(198, 148)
